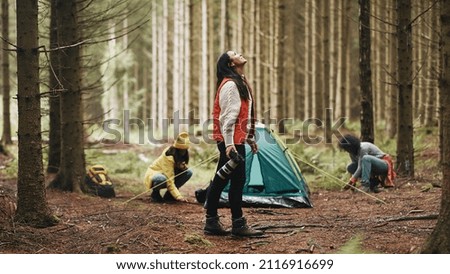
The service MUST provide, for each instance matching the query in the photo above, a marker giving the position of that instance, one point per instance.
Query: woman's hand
(229, 149)
(182, 166)
(182, 199)
(253, 145)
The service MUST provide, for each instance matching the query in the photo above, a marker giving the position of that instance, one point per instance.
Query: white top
(230, 106)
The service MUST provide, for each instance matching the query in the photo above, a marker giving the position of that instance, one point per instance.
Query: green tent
(273, 176)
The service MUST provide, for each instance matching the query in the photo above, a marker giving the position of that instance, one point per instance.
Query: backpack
(98, 182)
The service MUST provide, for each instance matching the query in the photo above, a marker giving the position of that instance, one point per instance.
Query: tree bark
(433, 74)
(307, 105)
(439, 240)
(327, 71)
(54, 149)
(392, 78)
(32, 208)
(365, 73)
(318, 71)
(155, 69)
(280, 54)
(6, 136)
(405, 147)
(72, 171)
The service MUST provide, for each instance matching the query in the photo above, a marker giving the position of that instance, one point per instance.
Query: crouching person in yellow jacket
(170, 170)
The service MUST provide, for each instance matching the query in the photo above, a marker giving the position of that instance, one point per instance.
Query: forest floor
(397, 221)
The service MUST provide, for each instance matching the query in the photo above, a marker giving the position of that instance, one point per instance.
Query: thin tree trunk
(6, 136)
(259, 69)
(342, 66)
(326, 68)
(405, 147)
(72, 171)
(125, 78)
(419, 86)
(176, 68)
(392, 78)
(210, 91)
(32, 208)
(223, 45)
(348, 63)
(194, 69)
(203, 104)
(365, 74)
(280, 37)
(54, 152)
(187, 59)
(439, 240)
(308, 60)
(155, 68)
(318, 71)
(433, 71)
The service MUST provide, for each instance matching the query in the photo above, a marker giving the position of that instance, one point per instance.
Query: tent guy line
(210, 159)
(335, 179)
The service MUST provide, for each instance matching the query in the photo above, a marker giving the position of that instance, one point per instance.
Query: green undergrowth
(354, 246)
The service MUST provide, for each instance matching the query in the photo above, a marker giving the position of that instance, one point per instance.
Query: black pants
(237, 181)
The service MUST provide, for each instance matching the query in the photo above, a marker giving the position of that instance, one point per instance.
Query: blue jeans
(159, 180)
(370, 166)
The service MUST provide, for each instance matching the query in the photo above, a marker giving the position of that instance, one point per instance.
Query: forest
(88, 82)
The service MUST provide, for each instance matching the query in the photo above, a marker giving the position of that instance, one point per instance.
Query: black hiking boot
(168, 197)
(156, 196)
(241, 229)
(214, 227)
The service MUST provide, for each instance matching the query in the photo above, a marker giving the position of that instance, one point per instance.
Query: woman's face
(236, 59)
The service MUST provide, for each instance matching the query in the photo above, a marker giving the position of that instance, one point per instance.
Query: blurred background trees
(150, 63)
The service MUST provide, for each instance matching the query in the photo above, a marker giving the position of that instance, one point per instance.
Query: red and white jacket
(234, 119)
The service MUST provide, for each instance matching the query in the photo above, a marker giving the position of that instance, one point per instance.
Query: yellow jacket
(163, 165)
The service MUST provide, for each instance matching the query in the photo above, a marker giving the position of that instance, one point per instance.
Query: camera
(227, 169)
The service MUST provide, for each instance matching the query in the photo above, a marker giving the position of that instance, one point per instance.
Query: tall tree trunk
(6, 136)
(393, 92)
(281, 43)
(126, 76)
(349, 63)
(54, 149)
(72, 171)
(187, 59)
(195, 42)
(266, 48)
(258, 61)
(318, 71)
(223, 45)
(439, 240)
(433, 74)
(365, 74)
(405, 148)
(342, 65)
(32, 207)
(420, 53)
(176, 65)
(307, 105)
(211, 58)
(297, 67)
(203, 103)
(155, 68)
(326, 68)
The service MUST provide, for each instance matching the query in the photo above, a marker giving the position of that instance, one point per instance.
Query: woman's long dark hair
(177, 156)
(225, 70)
(350, 143)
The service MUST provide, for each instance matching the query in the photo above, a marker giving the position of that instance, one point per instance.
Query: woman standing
(234, 125)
